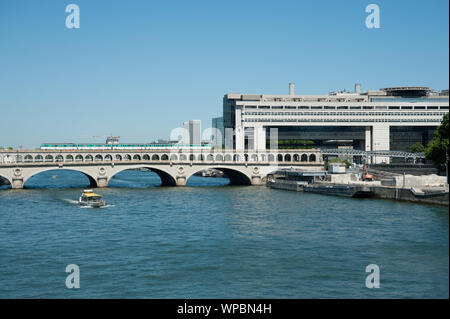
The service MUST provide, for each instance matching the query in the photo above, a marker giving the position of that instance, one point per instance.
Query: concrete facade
(218, 134)
(250, 116)
(193, 132)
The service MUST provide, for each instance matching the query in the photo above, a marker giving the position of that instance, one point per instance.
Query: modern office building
(217, 137)
(193, 130)
(387, 119)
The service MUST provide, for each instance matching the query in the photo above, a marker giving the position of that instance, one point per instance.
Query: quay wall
(409, 194)
(427, 196)
(285, 185)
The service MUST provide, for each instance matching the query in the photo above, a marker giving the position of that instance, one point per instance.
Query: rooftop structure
(112, 139)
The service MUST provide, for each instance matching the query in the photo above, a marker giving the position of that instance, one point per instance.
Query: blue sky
(138, 69)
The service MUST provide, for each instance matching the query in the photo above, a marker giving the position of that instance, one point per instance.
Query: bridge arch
(312, 157)
(236, 176)
(6, 178)
(304, 158)
(166, 178)
(92, 181)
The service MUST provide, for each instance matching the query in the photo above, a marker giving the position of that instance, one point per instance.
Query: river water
(211, 240)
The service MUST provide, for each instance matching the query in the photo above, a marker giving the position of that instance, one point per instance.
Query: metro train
(121, 146)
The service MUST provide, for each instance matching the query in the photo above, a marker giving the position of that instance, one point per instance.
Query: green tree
(437, 149)
(10, 148)
(417, 148)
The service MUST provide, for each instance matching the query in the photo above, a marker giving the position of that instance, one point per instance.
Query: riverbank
(426, 189)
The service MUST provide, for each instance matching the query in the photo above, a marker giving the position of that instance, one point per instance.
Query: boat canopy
(91, 194)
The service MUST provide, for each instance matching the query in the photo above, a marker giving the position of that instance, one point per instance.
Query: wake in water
(107, 206)
(75, 202)
(70, 201)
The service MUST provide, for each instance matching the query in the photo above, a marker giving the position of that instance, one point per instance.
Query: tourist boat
(89, 198)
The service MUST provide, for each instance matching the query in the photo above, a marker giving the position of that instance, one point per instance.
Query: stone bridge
(174, 167)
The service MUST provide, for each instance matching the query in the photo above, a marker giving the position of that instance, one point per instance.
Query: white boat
(89, 198)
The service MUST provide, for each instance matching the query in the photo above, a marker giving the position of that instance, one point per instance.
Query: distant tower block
(291, 88)
(358, 88)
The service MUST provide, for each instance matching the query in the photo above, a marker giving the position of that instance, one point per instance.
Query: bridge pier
(181, 180)
(17, 183)
(256, 180)
(102, 182)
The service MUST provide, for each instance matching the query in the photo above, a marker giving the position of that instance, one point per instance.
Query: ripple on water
(215, 241)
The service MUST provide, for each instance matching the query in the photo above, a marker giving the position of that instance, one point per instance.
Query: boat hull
(93, 205)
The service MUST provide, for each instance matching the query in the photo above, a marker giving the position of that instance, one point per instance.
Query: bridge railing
(291, 155)
(385, 153)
